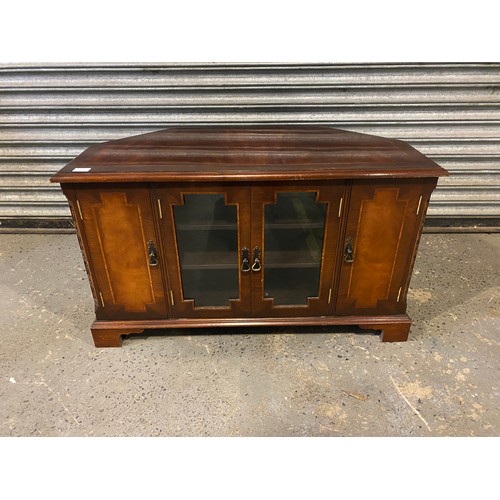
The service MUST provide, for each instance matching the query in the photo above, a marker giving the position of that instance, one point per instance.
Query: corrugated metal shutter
(51, 113)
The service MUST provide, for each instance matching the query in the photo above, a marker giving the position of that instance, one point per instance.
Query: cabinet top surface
(247, 153)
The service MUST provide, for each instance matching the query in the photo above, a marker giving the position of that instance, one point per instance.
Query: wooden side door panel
(117, 224)
(383, 226)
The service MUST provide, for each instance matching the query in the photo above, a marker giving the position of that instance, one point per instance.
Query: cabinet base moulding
(111, 337)
(109, 333)
(391, 332)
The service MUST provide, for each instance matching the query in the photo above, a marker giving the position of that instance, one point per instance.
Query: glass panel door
(294, 229)
(204, 232)
(297, 236)
(207, 241)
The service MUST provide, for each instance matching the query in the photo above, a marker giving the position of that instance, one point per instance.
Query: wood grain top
(247, 153)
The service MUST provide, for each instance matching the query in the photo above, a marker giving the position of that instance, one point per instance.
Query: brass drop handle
(256, 266)
(152, 256)
(349, 251)
(245, 260)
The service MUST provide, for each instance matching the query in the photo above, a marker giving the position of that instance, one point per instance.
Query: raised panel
(382, 228)
(376, 247)
(123, 249)
(118, 224)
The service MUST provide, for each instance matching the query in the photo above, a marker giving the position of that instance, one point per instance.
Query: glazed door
(295, 236)
(384, 221)
(206, 231)
(120, 241)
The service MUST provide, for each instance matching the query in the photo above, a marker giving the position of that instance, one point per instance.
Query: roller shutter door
(51, 113)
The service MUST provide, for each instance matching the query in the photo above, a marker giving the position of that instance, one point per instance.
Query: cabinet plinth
(238, 226)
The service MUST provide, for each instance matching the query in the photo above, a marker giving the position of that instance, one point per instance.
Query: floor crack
(417, 413)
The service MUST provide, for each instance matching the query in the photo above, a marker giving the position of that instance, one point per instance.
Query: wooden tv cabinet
(249, 225)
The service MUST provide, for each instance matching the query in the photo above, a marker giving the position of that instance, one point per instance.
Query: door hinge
(102, 300)
(79, 209)
(340, 206)
(399, 294)
(330, 296)
(419, 203)
(159, 208)
(172, 298)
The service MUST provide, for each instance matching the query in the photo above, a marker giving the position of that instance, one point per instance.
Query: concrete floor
(269, 382)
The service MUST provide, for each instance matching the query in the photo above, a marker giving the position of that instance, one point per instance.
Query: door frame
(84, 200)
(164, 198)
(414, 195)
(333, 194)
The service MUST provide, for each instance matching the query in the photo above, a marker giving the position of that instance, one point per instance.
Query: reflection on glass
(294, 228)
(207, 242)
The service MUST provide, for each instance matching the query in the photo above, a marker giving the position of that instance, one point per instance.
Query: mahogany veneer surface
(374, 193)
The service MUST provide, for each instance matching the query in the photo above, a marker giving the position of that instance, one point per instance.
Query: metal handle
(245, 260)
(256, 266)
(152, 256)
(349, 251)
